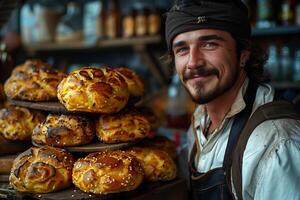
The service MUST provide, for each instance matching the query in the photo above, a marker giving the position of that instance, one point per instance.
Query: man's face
(207, 63)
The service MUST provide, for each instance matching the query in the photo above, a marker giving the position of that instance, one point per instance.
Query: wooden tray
(175, 189)
(53, 106)
(94, 147)
(10, 147)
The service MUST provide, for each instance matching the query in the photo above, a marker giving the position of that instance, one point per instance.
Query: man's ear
(244, 57)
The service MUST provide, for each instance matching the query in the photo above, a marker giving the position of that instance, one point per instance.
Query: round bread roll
(107, 172)
(157, 164)
(64, 130)
(100, 90)
(162, 143)
(17, 123)
(42, 170)
(134, 82)
(127, 126)
(33, 81)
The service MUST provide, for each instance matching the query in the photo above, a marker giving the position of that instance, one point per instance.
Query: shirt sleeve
(280, 175)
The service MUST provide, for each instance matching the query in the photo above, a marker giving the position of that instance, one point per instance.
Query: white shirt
(271, 162)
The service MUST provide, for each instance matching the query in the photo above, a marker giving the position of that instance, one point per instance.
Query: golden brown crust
(135, 83)
(100, 90)
(33, 81)
(162, 143)
(126, 126)
(17, 123)
(107, 172)
(157, 164)
(64, 130)
(42, 170)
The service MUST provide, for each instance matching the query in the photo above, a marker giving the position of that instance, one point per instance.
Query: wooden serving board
(175, 189)
(94, 147)
(53, 106)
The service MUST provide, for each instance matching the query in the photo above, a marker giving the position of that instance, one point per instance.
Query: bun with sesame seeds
(17, 123)
(98, 90)
(126, 126)
(107, 172)
(42, 170)
(33, 81)
(64, 131)
(157, 164)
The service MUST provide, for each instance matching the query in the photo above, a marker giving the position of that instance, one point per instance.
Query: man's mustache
(200, 71)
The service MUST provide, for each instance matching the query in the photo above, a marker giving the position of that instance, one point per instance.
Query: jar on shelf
(154, 21)
(265, 14)
(112, 23)
(141, 22)
(128, 24)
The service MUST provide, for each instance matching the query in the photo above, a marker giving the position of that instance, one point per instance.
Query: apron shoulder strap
(272, 110)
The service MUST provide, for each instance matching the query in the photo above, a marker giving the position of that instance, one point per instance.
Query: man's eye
(180, 51)
(209, 45)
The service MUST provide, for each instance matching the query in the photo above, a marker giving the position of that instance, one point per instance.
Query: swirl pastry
(157, 164)
(100, 90)
(42, 170)
(64, 130)
(33, 81)
(126, 126)
(134, 82)
(107, 172)
(17, 123)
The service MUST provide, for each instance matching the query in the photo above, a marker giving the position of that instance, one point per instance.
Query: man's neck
(219, 107)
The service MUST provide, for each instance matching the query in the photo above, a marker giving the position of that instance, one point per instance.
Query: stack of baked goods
(105, 94)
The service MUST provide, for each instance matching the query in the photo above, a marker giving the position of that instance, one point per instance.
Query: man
(210, 44)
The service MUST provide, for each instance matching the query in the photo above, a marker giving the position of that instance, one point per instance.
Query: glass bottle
(141, 21)
(154, 21)
(265, 15)
(285, 64)
(287, 13)
(272, 65)
(297, 66)
(113, 20)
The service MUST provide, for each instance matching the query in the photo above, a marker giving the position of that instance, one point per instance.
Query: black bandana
(189, 15)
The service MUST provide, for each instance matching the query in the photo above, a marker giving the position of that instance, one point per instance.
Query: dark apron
(212, 185)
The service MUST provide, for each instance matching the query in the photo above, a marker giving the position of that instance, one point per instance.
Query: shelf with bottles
(109, 43)
(276, 31)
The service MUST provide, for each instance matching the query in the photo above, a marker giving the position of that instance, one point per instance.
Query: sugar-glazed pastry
(134, 81)
(126, 126)
(17, 123)
(64, 130)
(99, 90)
(107, 172)
(157, 164)
(33, 81)
(42, 170)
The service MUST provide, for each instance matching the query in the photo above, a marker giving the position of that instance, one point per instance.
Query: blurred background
(73, 33)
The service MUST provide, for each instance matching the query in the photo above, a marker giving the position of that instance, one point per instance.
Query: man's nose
(196, 58)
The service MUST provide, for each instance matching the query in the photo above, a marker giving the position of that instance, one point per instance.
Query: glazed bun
(100, 90)
(127, 126)
(107, 172)
(64, 130)
(17, 123)
(33, 81)
(134, 82)
(42, 170)
(157, 164)
(162, 143)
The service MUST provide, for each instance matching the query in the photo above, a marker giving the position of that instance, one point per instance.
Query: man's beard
(199, 95)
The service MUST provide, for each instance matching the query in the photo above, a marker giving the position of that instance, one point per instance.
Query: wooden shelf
(109, 43)
(285, 85)
(278, 30)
